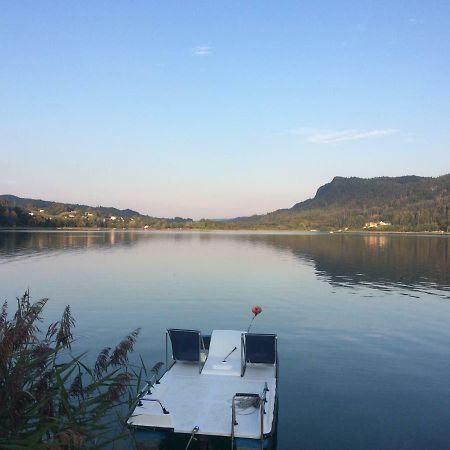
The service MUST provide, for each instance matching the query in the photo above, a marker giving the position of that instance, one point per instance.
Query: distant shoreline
(398, 205)
(226, 231)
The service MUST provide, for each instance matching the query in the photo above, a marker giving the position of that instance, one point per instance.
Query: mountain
(408, 203)
(362, 192)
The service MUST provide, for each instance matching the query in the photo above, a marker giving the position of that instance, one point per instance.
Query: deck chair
(186, 346)
(259, 349)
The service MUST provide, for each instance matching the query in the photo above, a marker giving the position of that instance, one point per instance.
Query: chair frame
(244, 356)
(174, 360)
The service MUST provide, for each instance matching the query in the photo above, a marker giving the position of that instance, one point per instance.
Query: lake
(363, 321)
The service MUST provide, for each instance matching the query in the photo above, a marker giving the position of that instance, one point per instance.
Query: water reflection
(416, 263)
(21, 244)
(419, 263)
(354, 373)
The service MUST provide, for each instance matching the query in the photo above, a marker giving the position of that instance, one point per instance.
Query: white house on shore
(376, 224)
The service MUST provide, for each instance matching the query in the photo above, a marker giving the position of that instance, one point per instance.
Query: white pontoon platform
(228, 388)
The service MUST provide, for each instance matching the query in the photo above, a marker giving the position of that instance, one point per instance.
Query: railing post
(242, 355)
(261, 413)
(233, 420)
(167, 355)
(199, 353)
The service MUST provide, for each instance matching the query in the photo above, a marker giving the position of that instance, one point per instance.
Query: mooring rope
(246, 403)
(194, 430)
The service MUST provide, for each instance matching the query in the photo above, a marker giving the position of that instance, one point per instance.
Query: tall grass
(49, 397)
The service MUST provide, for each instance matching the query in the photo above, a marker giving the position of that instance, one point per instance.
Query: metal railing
(164, 410)
(262, 411)
(146, 390)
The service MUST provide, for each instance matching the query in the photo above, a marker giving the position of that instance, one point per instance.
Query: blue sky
(218, 108)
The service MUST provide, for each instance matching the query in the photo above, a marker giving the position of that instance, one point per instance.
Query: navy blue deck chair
(259, 349)
(186, 345)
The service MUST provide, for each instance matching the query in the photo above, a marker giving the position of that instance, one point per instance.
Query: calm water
(363, 321)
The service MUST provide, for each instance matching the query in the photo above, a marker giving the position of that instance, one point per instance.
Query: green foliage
(409, 203)
(50, 398)
(17, 212)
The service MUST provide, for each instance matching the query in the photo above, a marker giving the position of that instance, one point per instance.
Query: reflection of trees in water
(17, 244)
(29, 243)
(378, 261)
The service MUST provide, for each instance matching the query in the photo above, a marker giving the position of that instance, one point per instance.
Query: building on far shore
(379, 224)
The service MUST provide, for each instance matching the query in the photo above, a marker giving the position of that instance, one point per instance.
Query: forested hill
(58, 208)
(16, 211)
(364, 192)
(408, 203)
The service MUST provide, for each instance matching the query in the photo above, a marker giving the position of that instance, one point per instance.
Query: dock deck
(204, 399)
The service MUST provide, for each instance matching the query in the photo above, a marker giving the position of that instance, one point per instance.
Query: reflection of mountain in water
(378, 261)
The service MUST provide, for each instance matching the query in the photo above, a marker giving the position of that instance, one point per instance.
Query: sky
(218, 108)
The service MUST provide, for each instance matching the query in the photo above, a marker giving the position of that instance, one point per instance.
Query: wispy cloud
(201, 50)
(326, 136)
(415, 21)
